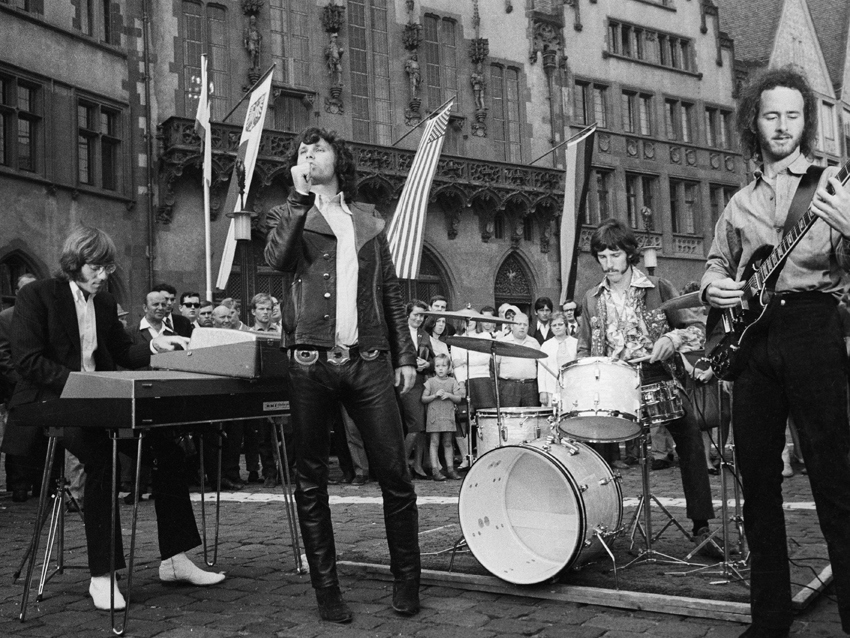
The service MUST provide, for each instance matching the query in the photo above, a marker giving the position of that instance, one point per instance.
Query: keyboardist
(70, 323)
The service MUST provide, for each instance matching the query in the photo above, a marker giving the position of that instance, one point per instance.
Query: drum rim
(515, 411)
(615, 414)
(576, 492)
(611, 360)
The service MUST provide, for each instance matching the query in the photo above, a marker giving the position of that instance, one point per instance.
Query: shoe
(254, 477)
(360, 479)
(631, 460)
(714, 471)
(71, 507)
(661, 464)
(179, 569)
(406, 596)
(463, 467)
(619, 465)
(20, 495)
(453, 475)
(270, 481)
(754, 631)
(712, 549)
(99, 592)
(130, 499)
(332, 607)
(416, 474)
(438, 476)
(227, 484)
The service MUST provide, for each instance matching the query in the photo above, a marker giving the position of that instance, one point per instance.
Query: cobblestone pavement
(262, 596)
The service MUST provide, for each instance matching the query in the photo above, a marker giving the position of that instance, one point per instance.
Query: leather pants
(364, 386)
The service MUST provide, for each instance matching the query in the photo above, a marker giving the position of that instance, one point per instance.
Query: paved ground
(262, 596)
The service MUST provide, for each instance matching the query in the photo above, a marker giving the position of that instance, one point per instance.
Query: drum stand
(649, 555)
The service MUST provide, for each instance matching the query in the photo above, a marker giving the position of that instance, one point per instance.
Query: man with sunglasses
(190, 303)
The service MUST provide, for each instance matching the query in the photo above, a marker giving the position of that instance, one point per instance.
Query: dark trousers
(691, 452)
(177, 531)
(365, 389)
(797, 364)
(230, 442)
(518, 394)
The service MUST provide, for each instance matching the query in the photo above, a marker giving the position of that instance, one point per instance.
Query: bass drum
(528, 512)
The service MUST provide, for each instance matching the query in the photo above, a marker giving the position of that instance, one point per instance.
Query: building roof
(831, 19)
(752, 25)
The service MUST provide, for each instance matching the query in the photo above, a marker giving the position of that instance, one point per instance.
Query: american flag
(578, 157)
(202, 121)
(408, 223)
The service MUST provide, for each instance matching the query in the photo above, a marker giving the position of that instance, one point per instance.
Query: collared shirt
(273, 327)
(756, 216)
(543, 329)
(167, 322)
(518, 367)
(164, 329)
(479, 362)
(340, 219)
(627, 336)
(88, 326)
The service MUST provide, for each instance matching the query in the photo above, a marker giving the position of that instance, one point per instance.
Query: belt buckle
(338, 355)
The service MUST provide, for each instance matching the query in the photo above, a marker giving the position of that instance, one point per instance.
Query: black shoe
(254, 477)
(754, 631)
(712, 549)
(661, 464)
(631, 460)
(406, 596)
(20, 495)
(270, 481)
(332, 607)
(360, 480)
(714, 471)
(227, 484)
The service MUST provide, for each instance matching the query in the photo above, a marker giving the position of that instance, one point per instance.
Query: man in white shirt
(518, 375)
(152, 325)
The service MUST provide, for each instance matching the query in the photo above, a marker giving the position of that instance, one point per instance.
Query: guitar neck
(760, 277)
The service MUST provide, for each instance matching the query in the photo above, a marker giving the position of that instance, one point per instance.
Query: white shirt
(479, 362)
(144, 324)
(543, 329)
(87, 325)
(558, 354)
(339, 218)
(518, 368)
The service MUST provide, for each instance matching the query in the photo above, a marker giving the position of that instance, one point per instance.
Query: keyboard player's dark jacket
(46, 348)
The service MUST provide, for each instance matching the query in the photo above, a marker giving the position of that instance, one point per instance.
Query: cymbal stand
(286, 485)
(647, 498)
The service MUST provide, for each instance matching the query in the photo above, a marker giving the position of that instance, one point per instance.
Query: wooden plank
(807, 594)
(659, 603)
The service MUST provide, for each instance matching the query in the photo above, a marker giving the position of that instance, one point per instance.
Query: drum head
(520, 514)
(599, 428)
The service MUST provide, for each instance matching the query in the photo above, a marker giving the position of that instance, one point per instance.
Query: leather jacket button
(326, 276)
(327, 295)
(326, 256)
(327, 317)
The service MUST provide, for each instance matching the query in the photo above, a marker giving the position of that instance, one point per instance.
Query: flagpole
(555, 148)
(425, 119)
(249, 91)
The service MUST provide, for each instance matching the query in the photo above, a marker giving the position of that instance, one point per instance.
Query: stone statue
(253, 39)
(333, 59)
(413, 73)
(478, 84)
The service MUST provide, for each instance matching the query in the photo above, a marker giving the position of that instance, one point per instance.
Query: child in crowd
(441, 394)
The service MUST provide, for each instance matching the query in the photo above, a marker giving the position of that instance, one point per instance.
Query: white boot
(787, 470)
(99, 592)
(179, 569)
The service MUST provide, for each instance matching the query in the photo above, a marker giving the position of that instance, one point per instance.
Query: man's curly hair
(789, 77)
(344, 166)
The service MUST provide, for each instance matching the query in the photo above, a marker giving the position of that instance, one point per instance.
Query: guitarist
(796, 363)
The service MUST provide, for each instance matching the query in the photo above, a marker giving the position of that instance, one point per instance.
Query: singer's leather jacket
(300, 241)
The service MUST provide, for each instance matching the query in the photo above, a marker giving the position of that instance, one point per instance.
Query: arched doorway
(513, 284)
(262, 278)
(430, 282)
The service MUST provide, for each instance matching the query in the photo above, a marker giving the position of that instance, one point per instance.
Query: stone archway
(12, 266)
(513, 284)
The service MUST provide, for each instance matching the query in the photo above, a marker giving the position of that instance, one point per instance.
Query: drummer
(621, 320)
(560, 349)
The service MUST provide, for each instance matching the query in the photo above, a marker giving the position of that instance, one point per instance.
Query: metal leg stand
(649, 555)
(220, 434)
(286, 485)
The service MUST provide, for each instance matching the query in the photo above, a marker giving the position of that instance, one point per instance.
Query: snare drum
(661, 402)
(529, 512)
(518, 425)
(600, 400)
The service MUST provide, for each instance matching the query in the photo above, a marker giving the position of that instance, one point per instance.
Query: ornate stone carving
(604, 142)
(545, 36)
(511, 279)
(479, 49)
(631, 147)
(714, 160)
(729, 161)
(648, 150)
(577, 25)
(691, 157)
(675, 154)
(691, 246)
(332, 23)
(253, 40)
(584, 239)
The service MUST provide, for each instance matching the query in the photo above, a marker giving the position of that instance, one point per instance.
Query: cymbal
(690, 300)
(465, 314)
(492, 346)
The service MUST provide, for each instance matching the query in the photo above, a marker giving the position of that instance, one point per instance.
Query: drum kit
(538, 500)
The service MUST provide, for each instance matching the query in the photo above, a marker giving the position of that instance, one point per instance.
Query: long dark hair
(344, 166)
(749, 104)
(85, 245)
(613, 234)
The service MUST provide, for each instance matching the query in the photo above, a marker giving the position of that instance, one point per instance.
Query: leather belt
(518, 380)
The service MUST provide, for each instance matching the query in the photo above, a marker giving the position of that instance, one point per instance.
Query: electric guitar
(729, 328)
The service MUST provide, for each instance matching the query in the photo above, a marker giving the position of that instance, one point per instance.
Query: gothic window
(504, 83)
(21, 104)
(290, 42)
(430, 281)
(591, 103)
(368, 43)
(637, 112)
(512, 283)
(205, 31)
(679, 120)
(439, 46)
(640, 192)
(98, 145)
(684, 202)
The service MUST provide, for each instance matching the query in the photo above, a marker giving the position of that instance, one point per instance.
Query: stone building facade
(99, 99)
